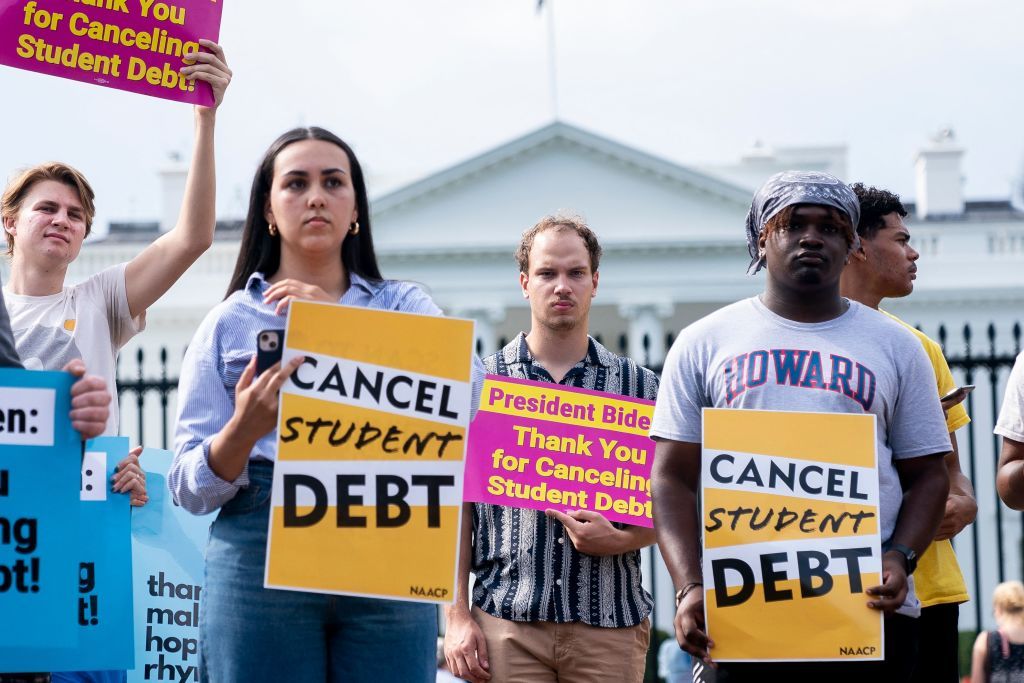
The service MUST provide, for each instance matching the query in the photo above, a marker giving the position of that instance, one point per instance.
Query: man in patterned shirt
(557, 594)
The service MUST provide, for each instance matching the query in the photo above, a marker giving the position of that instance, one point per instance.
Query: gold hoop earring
(272, 229)
(353, 229)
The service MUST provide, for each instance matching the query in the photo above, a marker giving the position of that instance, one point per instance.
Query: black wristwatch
(909, 555)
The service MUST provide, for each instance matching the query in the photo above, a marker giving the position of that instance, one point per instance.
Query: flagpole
(549, 7)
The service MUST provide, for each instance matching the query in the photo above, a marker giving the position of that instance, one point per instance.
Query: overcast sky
(416, 85)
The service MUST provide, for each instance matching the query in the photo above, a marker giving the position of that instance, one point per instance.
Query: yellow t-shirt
(938, 579)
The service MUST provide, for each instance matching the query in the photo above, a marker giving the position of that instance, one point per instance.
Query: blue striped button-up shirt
(220, 350)
(526, 567)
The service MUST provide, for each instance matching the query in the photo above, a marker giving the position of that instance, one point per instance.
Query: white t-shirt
(1011, 416)
(744, 356)
(89, 320)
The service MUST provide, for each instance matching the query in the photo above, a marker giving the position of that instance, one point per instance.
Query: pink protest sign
(539, 445)
(134, 45)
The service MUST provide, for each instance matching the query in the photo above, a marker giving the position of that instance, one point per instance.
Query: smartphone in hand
(269, 345)
(956, 396)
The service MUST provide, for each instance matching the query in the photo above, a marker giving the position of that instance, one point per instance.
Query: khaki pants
(541, 651)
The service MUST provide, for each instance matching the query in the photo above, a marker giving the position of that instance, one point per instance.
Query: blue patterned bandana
(797, 187)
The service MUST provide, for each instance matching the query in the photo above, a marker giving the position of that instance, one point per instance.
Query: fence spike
(140, 395)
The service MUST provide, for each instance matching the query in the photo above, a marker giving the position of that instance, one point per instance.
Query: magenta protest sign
(134, 45)
(539, 445)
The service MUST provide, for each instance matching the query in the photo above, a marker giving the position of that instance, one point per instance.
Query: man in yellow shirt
(885, 267)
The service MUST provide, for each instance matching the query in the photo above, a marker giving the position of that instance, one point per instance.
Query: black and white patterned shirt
(526, 566)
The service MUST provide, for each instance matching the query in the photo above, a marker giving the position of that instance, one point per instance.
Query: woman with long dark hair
(307, 235)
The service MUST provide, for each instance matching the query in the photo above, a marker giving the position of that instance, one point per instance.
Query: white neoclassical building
(674, 250)
(672, 235)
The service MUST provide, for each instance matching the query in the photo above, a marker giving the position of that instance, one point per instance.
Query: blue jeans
(249, 633)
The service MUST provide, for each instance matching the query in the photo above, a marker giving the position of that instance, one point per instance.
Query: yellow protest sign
(790, 528)
(372, 427)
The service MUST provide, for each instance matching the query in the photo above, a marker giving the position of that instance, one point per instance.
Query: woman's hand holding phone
(256, 397)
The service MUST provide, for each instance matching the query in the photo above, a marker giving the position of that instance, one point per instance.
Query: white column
(487, 319)
(646, 320)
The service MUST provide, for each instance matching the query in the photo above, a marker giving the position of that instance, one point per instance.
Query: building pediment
(627, 196)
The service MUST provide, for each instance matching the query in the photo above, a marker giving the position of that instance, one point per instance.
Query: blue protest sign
(40, 459)
(104, 604)
(168, 544)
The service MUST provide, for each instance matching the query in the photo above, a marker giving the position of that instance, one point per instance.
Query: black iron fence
(994, 541)
(151, 399)
(990, 551)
